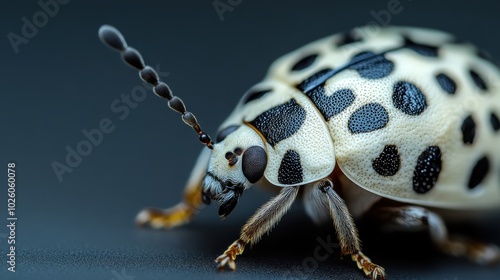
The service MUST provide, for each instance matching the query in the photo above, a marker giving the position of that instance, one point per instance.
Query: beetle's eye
(254, 162)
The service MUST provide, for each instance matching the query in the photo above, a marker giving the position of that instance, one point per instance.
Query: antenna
(113, 38)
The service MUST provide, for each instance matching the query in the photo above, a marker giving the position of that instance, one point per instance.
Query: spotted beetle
(398, 125)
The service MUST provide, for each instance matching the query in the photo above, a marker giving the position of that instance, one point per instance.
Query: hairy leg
(414, 217)
(323, 194)
(261, 222)
(183, 212)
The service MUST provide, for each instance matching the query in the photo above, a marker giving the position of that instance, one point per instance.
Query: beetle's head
(238, 160)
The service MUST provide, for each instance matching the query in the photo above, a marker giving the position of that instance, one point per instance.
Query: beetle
(398, 125)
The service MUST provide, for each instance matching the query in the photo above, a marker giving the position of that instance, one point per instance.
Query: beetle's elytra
(408, 116)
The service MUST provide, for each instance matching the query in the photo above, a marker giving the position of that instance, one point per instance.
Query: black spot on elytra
(367, 64)
(280, 122)
(368, 118)
(316, 79)
(408, 98)
(479, 172)
(348, 38)
(427, 171)
(304, 62)
(290, 170)
(253, 163)
(371, 66)
(446, 83)
(254, 94)
(468, 130)
(495, 122)
(478, 81)
(223, 133)
(422, 49)
(332, 105)
(388, 162)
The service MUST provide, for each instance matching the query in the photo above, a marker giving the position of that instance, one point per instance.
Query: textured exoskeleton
(402, 115)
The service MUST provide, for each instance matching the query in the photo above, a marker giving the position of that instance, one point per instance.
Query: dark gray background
(64, 80)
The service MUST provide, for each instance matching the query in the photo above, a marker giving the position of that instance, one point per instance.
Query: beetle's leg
(264, 219)
(345, 227)
(183, 212)
(414, 217)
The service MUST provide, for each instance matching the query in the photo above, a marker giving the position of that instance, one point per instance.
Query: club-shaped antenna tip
(112, 37)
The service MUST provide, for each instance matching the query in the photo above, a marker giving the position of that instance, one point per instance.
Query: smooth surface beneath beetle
(63, 81)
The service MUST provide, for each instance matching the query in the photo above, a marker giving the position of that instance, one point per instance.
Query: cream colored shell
(322, 144)
(439, 125)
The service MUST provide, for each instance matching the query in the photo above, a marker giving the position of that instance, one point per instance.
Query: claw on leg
(261, 222)
(370, 269)
(346, 229)
(165, 218)
(229, 256)
(478, 252)
(484, 254)
(183, 212)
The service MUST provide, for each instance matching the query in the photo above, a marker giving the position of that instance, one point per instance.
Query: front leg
(183, 212)
(261, 222)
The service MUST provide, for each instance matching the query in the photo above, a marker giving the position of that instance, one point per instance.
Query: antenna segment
(114, 39)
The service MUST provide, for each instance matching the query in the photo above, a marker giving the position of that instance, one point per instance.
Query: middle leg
(323, 195)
